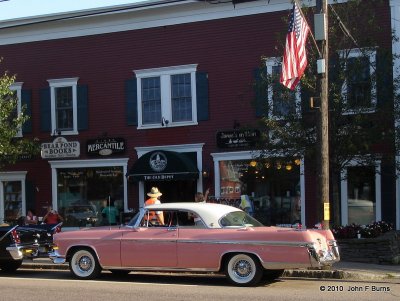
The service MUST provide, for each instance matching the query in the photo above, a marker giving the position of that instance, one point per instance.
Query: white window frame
(249, 155)
(59, 83)
(269, 64)
(17, 87)
(165, 81)
(12, 176)
(344, 190)
(372, 62)
(123, 162)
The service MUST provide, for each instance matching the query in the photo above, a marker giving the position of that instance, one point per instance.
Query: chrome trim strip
(158, 269)
(8, 232)
(252, 243)
(227, 242)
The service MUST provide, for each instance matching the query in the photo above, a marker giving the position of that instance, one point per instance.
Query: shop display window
(274, 189)
(83, 193)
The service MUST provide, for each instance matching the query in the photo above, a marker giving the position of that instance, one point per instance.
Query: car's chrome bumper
(56, 258)
(326, 257)
(19, 252)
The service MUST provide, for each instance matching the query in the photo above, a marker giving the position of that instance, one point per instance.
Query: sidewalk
(340, 270)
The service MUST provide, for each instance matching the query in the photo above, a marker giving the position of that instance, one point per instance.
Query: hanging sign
(105, 146)
(237, 138)
(60, 148)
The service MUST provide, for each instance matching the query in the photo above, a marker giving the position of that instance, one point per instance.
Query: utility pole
(321, 34)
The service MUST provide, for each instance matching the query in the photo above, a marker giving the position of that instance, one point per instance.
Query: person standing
(52, 216)
(110, 212)
(246, 204)
(199, 197)
(31, 218)
(154, 196)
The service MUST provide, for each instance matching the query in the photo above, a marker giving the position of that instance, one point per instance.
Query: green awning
(160, 165)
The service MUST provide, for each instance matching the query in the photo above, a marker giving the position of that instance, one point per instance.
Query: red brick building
(151, 94)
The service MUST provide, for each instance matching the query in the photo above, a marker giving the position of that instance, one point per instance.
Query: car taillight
(15, 236)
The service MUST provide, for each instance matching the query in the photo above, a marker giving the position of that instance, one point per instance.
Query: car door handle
(171, 229)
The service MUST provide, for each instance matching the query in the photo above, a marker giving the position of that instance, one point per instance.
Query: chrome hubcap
(85, 263)
(242, 268)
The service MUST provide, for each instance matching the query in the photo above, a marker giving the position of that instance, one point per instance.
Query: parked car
(227, 240)
(42, 235)
(25, 242)
(12, 249)
(80, 215)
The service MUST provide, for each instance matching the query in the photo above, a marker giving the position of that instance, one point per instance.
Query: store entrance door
(173, 191)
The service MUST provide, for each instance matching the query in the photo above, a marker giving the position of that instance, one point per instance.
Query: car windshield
(239, 219)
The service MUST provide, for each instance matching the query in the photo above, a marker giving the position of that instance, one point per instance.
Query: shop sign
(237, 138)
(60, 148)
(105, 146)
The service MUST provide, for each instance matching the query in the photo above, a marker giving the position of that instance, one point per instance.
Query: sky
(15, 9)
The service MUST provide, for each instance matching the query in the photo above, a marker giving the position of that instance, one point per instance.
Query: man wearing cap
(157, 216)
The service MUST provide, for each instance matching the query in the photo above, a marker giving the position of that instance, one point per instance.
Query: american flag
(295, 57)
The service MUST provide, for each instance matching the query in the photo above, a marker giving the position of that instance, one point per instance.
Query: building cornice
(125, 18)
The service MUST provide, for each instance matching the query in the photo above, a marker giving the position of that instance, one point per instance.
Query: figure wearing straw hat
(154, 195)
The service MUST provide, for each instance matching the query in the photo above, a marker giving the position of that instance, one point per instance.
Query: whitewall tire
(84, 264)
(244, 270)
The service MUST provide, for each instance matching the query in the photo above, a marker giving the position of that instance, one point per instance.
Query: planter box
(384, 249)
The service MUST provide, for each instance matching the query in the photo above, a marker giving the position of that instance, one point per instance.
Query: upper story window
(64, 112)
(16, 88)
(359, 86)
(166, 96)
(281, 101)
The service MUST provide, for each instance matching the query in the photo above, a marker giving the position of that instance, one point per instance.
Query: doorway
(173, 191)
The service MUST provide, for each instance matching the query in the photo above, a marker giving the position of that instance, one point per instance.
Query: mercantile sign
(105, 146)
(60, 148)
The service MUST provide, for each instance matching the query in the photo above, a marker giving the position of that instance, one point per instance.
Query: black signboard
(237, 138)
(105, 146)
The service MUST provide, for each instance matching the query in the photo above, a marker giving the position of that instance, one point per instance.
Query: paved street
(37, 285)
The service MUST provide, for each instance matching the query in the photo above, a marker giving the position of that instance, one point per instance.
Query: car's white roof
(209, 212)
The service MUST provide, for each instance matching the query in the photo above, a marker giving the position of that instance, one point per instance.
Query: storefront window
(361, 194)
(273, 188)
(84, 192)
(12, 196)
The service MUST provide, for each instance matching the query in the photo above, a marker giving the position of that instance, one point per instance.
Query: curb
(318, 274)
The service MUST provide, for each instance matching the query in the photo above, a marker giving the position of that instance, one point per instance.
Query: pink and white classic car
(194, 237)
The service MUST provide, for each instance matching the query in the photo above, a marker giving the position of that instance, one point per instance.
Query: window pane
(283, 100)
(12, 201)
(361, 194)
(359, 83)
(151, 100)
(64, 108)
(181, 97)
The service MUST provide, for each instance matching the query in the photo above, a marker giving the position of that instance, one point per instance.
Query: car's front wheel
(84, 264)
(243, 270)
(10, 266)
